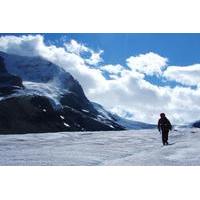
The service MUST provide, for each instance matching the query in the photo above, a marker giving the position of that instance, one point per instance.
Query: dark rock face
(8, 83)
(27, 114)
(35, 114)
(2, 66)
(75, 96)
(77, 102)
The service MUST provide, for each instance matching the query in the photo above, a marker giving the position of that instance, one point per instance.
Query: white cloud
(129, 92)
(25, 45)
(95, 58)
(74, 47)
(113, 69)
(187, 75)
(149, 63)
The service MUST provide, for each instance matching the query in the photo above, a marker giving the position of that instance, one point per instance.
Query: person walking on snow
(164, 126)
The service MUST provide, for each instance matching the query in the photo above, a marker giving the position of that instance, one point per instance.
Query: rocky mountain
(39, 96)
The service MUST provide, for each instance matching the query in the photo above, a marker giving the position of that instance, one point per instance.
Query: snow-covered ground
(134, 147)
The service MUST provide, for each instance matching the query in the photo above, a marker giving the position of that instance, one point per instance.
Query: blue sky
(180, 49)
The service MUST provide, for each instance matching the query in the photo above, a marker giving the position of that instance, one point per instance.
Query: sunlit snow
(133, 147)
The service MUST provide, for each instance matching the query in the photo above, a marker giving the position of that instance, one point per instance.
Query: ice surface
(133, 147)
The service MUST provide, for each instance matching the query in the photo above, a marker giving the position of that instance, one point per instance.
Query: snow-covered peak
(34, 69)
(39, 76)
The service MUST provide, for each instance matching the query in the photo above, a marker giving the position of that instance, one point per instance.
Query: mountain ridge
(53, 99)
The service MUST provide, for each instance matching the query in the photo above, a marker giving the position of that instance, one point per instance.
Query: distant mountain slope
(127, 124)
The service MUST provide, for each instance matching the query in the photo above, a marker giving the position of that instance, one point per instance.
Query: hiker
(164, 126)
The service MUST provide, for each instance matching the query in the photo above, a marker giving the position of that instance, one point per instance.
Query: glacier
(110, 148)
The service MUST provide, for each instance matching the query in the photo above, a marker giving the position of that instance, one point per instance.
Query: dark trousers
(165, 134)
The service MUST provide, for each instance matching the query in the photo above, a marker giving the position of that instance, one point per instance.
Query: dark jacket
(164, 124)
